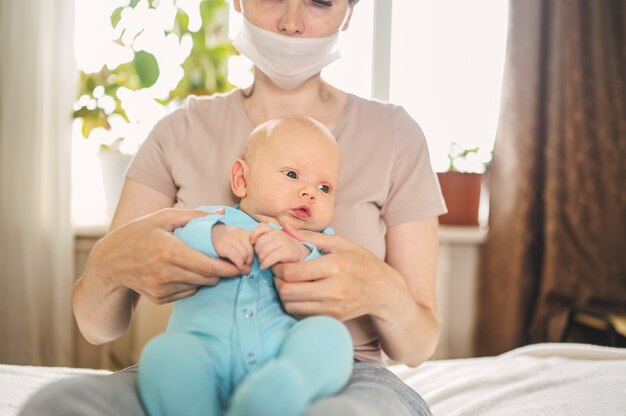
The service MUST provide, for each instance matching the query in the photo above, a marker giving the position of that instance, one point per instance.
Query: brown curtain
(557, 227)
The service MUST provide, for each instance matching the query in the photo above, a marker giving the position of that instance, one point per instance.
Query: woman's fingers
(315, 298)
(189, 259)
(341, 284)
(172, 218)
(306, 308)
(177, 270)
(299, 235)
(298, 292)
(181, 295)
(323, 242)
(174, 283)
(145, 257)
(305, 271)
(173, 296)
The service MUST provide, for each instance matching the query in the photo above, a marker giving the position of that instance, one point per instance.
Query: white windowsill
(448, 234)
(460, 234)
(91, 230)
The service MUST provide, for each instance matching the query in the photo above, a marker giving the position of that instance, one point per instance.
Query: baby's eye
(325, 188)
(291, 174)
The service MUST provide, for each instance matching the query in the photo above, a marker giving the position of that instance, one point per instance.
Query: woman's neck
(315, 98)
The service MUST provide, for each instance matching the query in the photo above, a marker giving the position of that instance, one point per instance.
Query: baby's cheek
(326, 218)
(271, 203)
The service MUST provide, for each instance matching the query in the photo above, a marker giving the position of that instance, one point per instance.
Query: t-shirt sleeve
(414, 192)
(152, 165)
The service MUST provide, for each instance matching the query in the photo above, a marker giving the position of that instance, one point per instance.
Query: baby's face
(293, 179)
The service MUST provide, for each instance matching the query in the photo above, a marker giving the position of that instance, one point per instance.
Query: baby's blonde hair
(268, 129)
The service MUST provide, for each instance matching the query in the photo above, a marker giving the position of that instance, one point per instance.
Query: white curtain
(37, 86)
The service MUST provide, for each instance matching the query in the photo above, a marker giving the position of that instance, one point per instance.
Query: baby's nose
(306, 192)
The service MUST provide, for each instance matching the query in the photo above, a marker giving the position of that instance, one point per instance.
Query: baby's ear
(239, 178)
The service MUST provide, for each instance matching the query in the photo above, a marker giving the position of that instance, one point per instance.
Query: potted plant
(461, 184)
(111, 100)
(205, 69)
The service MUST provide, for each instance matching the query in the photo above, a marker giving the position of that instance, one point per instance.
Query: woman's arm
(139, 255)
(408, 325)
(350, 281)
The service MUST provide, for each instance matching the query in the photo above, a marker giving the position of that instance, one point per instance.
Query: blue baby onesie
(231, 348)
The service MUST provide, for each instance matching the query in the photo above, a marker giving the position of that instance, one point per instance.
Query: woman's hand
(146, 257)
(345, 283)
(398, 295)
(142, 257)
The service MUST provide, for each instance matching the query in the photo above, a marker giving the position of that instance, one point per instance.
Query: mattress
(539, 379)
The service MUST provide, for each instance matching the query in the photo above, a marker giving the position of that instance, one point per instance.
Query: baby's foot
(276, 389)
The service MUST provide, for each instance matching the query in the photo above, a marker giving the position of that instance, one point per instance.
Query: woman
(379, 274)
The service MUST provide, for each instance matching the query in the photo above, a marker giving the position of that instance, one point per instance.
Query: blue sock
(276, 389)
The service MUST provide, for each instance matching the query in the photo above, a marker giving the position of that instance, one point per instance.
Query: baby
(231, 348)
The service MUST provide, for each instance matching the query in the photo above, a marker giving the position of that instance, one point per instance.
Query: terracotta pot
(461, 192)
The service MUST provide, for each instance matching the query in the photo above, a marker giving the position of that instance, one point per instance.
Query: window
(447, 58)
(442, 60)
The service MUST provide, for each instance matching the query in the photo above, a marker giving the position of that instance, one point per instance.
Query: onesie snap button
(251, 359)
(247, 313)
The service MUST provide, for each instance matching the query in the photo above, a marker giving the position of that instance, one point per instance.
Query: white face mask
(287, 61)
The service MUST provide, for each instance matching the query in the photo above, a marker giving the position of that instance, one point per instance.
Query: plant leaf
(181, 23)
(147, 68)
(91, 120)
(116, 16)
(205, 68)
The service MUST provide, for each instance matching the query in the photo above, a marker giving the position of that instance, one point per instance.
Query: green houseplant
(157, 39)
(205, 68)
(461, 184)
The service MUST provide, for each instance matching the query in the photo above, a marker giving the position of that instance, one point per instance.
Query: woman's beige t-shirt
(386, 175)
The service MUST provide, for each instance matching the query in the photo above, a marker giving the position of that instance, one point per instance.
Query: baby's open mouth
(302, 212)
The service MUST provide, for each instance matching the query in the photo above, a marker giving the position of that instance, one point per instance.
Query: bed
(539, 379)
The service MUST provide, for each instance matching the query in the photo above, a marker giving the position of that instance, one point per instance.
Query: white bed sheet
(19, 382)
(541, 379)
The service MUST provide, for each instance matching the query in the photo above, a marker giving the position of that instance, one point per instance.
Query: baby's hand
(233, 243)
(275, 246)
